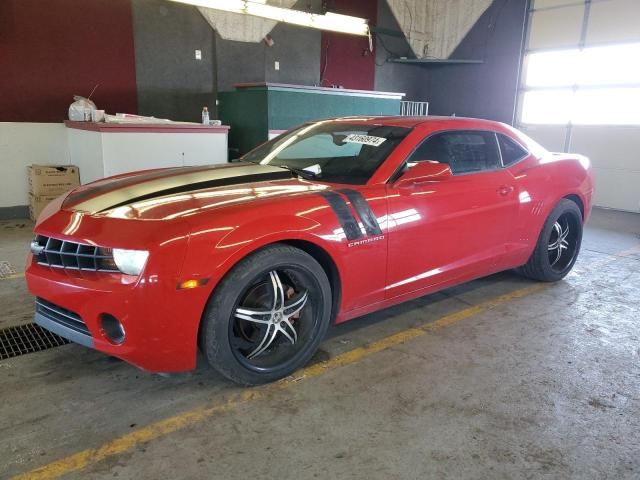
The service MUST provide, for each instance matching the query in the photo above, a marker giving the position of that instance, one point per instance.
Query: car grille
(62, 316)
(56, 253)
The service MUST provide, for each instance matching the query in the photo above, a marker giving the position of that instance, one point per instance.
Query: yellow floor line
(86, 458)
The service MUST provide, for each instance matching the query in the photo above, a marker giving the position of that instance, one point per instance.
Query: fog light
(112, 328)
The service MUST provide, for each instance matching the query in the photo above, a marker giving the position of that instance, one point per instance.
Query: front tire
(558, 244)
(268, 316)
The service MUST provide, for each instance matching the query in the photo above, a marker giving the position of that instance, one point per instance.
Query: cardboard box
(52, 180)
(37, 204)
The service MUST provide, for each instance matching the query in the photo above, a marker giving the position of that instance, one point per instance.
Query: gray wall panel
(239, 62)
(485, 90)
(297, 49)
(171, 82)
(395, 77)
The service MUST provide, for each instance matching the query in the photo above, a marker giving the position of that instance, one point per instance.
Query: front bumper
(63, 322)
(161, 322)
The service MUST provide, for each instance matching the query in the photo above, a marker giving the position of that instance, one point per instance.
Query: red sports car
(252, 261)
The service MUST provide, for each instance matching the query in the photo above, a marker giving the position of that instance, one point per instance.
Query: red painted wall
(51, 50)
(341, 58)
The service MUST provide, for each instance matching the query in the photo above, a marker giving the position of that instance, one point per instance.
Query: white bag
(80, 110)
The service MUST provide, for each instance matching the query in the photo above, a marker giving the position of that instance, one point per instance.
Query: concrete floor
(546, 385)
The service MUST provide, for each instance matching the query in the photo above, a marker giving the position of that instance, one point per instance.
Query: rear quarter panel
(542, 183)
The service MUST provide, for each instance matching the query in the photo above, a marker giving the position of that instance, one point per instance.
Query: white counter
(105, 149)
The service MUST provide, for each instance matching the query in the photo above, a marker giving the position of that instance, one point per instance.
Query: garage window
(596, 85)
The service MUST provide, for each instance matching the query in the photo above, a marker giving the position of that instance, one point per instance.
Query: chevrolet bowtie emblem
(36, 248)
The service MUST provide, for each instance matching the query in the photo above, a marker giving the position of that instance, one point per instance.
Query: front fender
(212, 258)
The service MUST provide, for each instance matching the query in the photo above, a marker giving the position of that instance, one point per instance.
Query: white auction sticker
(364, 139)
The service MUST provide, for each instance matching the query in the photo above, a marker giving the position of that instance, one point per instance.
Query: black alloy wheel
(267, 316)
(558, 244)
(563, 242)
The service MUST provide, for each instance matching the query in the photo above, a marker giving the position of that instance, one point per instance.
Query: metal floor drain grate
(6, 269)
(29, 338)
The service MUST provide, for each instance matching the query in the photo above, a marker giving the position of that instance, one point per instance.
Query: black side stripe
(361, 206)
(345, 217)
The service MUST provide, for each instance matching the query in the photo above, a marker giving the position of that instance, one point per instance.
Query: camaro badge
(365, 241)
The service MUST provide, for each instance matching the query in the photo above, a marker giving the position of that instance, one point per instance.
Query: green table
(254, 110)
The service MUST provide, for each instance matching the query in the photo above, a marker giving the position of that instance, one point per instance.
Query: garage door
(580, 89)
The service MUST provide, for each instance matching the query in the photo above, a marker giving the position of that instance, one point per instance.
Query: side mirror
(424, 172)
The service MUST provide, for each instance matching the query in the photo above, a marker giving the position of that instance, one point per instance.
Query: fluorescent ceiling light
(258, 8)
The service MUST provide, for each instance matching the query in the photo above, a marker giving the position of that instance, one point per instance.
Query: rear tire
(267, 316)
(558, 244)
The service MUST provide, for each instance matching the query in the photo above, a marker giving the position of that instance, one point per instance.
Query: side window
(511, 151)
(465, 152)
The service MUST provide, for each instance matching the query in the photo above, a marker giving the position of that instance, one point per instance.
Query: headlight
(130, 262)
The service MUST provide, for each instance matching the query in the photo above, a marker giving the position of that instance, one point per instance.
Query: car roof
(411, 122)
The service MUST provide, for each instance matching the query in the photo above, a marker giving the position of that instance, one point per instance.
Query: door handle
(505, 190)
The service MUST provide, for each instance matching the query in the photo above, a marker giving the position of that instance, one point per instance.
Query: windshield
(331, 151)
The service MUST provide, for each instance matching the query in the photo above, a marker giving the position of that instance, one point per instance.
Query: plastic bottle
(205, 116)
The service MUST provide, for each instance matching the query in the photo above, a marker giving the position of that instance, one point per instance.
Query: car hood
(176, 192)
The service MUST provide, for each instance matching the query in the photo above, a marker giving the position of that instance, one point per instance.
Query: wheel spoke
(278, 291)
(251, 315)
(558, 228)
(555, 248)
(275, 317)
(297, 305)
(564, 233)
(269, 334)
(283, 327)
(558, 255)
(560, 244)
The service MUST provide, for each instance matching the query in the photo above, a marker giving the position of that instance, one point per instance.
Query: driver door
(449, 230)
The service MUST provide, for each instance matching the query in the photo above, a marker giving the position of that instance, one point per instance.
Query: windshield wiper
(300, 172)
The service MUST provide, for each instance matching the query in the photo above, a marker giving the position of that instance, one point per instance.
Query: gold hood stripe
(177, 181)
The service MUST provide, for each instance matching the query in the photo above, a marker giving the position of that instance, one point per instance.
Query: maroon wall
(42, 64)
(345, 59)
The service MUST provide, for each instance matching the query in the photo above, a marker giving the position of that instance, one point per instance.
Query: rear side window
(511, 151)
(464, 152)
